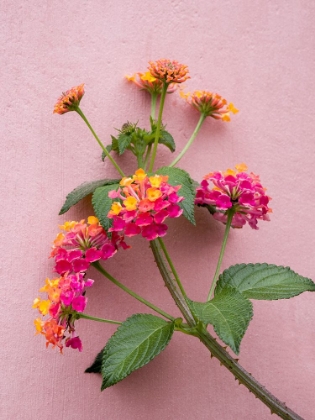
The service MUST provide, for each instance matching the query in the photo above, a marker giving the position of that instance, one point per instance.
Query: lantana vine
(141, 204)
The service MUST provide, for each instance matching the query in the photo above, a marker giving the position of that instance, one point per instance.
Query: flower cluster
(210, 104)
(73, 251)
(145, 81)
(235, 190)
(70, 100)
(144, 204)
(168, 71)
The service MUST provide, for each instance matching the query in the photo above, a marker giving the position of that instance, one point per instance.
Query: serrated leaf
(135, 343)
(109, 148)
(264, 281)
(167, 139)
(124, 141)
(177, 176)
(229, 312)
(102, 204)
(82, 191)
(96, 366)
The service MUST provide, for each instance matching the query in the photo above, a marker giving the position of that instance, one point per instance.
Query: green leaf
(135, 343)
(264, 281)
(109, 148)
(167, 139)
(102, 204)
(124, 141)
(96, 366)
(82, 191)
(177, 176)
(229, 312)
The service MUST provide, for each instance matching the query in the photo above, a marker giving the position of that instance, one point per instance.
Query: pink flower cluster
(74, 250)
(144, 204)
(238, 190)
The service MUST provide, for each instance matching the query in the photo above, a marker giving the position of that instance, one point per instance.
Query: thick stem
(98, 266)
(171, 285)
(190, 141)
(94, 318)
(217, 350)
(245, 378)
(226, 234)
(79, 111)
(158, 126)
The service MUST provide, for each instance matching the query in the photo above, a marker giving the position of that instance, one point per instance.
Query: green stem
(170, 263)
(154, 97)
(226, 234)
(94, 318)
(79, 111)
(158, 126)
(171, 284)
(190, 141)
(147, 156)
(216, 350)
(98, 266)
(246, 378)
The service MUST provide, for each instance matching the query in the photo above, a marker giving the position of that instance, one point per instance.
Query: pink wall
(260, 55)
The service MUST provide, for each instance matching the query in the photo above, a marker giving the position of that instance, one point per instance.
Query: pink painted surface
(260, 55)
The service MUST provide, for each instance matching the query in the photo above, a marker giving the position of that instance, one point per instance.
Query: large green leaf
(102, 204)
(264, 281)
(178, 176)
(135, 343)
(167, 139)
(229, 312)
(82, 191)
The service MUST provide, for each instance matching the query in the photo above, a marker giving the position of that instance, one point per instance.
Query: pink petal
(79, 303)
(93, 254)
(80, 265)
(107, 251)
(74, 343)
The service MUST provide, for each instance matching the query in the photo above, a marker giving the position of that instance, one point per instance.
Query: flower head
(70, 100)
(66, 298)
(83, 243)
(238, 190)
(145, 81)
(79, 245)
(168, 71)
(143, 205)
(210, 104)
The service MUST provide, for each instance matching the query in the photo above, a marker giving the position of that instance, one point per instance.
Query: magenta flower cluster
(237, 190)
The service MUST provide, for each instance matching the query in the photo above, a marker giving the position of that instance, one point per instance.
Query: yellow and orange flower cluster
(169, 71)
(210, 104)
(145, 81)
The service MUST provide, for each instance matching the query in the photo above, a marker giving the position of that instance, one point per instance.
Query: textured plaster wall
(258, 54)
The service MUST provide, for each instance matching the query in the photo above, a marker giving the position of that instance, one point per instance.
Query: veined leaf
(135, 343)
(82, 191)
(264, 281)
(124, 141)
(167, 139)
(229, 312)
(178, 176)
(102, 204)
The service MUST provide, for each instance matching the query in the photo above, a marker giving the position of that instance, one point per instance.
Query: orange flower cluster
(169, 71)
(69, 100)
(210, 104)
